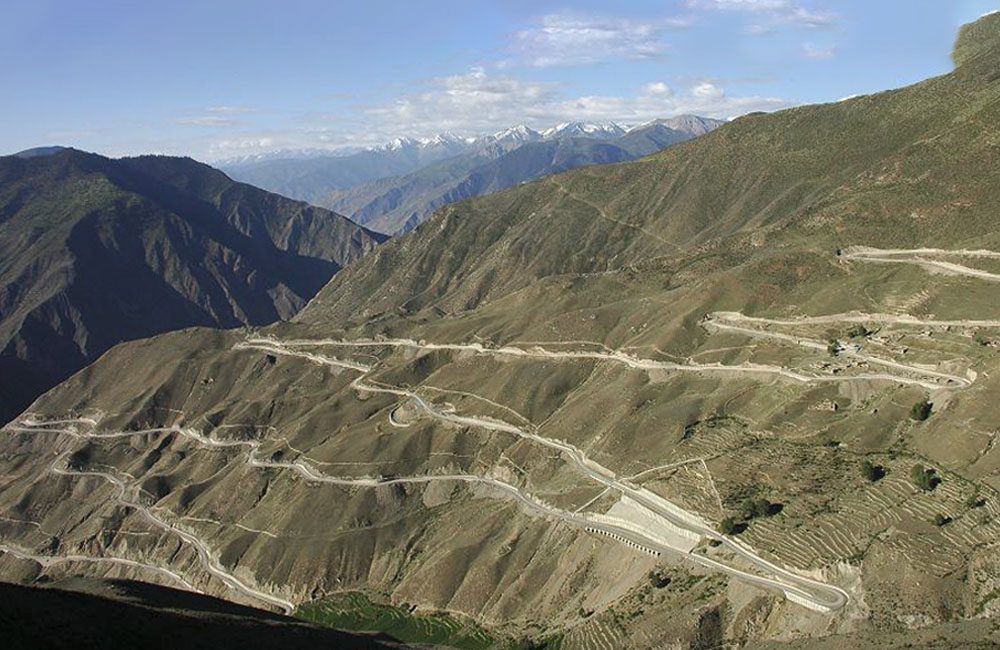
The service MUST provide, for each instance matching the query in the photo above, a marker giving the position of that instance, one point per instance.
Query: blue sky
(220, 78)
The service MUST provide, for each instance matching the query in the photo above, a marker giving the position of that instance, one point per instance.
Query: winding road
(916, 256)
(806, 591)
(932, 379)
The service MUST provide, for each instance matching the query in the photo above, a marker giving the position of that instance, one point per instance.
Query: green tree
(858, 331)
(941, 520)
(658, 579)
(921, 410)
(871, 471)
(833, 347)
(727, 526)
(753, 508)
(924, 478)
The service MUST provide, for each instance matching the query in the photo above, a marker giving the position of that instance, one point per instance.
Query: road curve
(899, 256)
(932, 378)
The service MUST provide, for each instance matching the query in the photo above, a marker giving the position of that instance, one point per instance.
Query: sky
(216, 79)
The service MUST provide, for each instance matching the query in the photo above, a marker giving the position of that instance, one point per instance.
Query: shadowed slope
(96, 251)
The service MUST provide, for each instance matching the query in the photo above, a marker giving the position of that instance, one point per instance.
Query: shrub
(728, 526)
(871, 471)
(921, 410)
(759, 507)
(658, 579)
(975, 501)
(858, 331)
(924, 478)
(833, 347)
(941, 520)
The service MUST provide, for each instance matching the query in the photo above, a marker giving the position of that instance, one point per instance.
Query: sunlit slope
(904, 167)
(520, 411)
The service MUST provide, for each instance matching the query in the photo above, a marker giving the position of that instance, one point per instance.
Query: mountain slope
(861, 167)
(399, 204)
(677, 402)
(96, 251)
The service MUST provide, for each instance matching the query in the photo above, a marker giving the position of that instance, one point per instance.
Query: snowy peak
(603, 130)
(443, 139)
(513, 136)
(519, 133)
(397, 144)
(692, 125)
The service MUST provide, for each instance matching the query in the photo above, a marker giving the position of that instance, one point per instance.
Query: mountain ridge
(74, 225)
(398, 204)
(314, 177)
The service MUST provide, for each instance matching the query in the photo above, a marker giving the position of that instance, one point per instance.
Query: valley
(737, 393)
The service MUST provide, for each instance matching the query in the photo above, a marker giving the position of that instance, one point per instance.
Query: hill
(95, 251)
(737, 393)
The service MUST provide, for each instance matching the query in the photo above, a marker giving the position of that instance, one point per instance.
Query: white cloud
(742, 5)
(205, 120)
(776, 11)
(230, 110)
(657, 88)
(708, 91)
(478, 102)
(571, 39)
(817, 52)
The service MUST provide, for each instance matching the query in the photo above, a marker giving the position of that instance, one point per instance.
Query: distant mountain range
(95, 251)
(394, 187)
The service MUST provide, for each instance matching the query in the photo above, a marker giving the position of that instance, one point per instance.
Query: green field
(356, 612)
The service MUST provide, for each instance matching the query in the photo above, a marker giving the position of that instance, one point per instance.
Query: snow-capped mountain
(447, 142)
(513, 136)
(284, 154)
(600, 130)
(315, 176)
(692, 125)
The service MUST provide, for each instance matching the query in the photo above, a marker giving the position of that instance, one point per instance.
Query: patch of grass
(357, 613)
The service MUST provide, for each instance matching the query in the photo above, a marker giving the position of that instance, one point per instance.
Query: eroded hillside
(678, 402)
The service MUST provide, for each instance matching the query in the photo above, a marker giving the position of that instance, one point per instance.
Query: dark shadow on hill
(124, 614)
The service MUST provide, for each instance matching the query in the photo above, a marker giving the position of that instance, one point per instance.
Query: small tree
(833, 347)
(921, 410)
(858, 331)
(941, 520)
(658, 579)
(924, 478)
(974, 501)
(753, 508)
(727, 526)
(871, 471)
